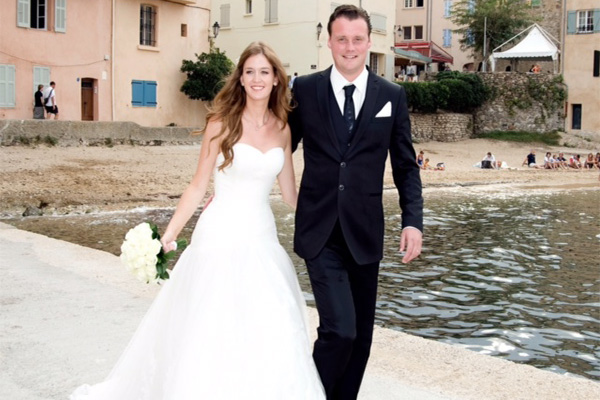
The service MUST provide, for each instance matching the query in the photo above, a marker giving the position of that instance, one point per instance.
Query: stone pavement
(67, 312)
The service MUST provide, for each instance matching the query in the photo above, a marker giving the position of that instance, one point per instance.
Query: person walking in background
(50, 100)
(291, 84)
(38, 103)
(349, 119)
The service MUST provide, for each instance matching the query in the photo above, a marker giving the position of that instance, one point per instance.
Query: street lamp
(398, 31)
(319, 30)
(215, 29)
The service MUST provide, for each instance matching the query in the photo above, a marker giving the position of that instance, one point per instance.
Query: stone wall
(510, 109)
(425, 127)
(75, 133)
(441, 127)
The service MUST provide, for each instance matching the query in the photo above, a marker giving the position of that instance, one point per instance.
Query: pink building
(112, 60)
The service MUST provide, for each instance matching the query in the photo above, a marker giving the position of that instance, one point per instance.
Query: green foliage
(425, 97)
(548, 138)
(162, 263)
(505, 18)
(454, 91)
(205, 77)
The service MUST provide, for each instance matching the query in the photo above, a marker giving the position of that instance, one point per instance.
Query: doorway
(576, 118)
(87, 99)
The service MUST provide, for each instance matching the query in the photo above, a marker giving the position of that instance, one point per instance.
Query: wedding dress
(231, 322)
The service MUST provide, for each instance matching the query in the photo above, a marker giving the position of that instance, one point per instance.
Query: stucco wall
(82, 51)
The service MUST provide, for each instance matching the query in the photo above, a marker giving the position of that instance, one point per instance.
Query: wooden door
(87, 99)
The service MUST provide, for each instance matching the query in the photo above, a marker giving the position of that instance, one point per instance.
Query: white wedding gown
(231, 322)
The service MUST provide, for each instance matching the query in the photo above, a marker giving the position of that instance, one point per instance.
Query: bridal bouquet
(143, 255)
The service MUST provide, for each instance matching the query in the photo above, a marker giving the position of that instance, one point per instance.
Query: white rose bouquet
(143, 255)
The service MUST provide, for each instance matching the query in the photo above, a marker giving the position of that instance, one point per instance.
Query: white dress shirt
(337, 84)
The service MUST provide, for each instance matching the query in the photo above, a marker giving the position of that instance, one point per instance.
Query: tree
(206, 76)
(505, 19)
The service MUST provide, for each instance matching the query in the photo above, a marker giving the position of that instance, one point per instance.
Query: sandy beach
(82, 179)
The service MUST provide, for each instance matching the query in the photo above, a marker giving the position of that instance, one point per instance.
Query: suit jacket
(347, 186)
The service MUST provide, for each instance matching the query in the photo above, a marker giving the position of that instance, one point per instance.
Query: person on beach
(420, 158)
(549, 161)
(349, 119)
(589, 162)
(530, 160)
(575, 161)
(231, 321)
(489, 162)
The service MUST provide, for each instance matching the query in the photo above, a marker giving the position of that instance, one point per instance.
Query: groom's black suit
(339, 219)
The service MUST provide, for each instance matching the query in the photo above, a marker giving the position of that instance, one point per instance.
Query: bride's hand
(168, 243)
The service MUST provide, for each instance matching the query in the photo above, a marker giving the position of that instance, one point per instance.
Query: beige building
(426, 27)
(581, 66)
(297, 31)
(65, 41)
(112, 60)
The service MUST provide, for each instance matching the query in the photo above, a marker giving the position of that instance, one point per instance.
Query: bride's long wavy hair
(229, 103)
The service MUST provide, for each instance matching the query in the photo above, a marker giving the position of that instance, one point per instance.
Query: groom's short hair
(350, 12)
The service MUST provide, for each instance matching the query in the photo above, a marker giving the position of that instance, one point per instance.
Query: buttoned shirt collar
(338, 82)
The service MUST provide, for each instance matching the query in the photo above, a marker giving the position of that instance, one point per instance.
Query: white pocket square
(386, 111)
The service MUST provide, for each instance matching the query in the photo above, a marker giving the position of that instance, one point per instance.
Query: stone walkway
(67, 312)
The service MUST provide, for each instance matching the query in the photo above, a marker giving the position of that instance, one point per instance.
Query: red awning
(428, 49)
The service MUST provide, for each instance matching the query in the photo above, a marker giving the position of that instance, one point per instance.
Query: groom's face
(349, 43)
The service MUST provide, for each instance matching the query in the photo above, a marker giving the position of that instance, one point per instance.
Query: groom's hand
(411, 241)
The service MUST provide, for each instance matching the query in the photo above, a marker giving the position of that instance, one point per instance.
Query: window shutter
(150, 94)
(596, 20)
(24, 13)
(572, 22)
(225, 15)
(271, 11)
(41, 76)
(447, 8)
(137, 93)
(7, 85)
(60, 13)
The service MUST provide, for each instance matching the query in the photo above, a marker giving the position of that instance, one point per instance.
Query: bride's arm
(196, 190)
(287, 178)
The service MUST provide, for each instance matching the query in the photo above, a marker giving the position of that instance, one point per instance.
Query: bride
(231, 322)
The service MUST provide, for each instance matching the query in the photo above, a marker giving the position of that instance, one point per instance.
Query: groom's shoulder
(311, 79)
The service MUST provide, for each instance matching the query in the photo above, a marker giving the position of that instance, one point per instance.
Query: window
(576, 117)
(183, 30)
(447, 8)
(41, 76)
(374, 63)
(470, 36)
(447, 40)
(270, 11)
(378, 22)
(407, 31)
(143, 93)
(225, 13)
(413, 3)
(418, 32)
(7, 86)
(248, 6)
(596, 63)
(585, 21)
(147, 26)
(31, 14)
(60, 15)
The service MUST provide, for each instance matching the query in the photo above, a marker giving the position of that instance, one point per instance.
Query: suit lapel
(368, 107)
(324, 110)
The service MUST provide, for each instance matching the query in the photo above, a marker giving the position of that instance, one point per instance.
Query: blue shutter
(447, 8)
(572, 22)
(596, 20)
(150, 94)
(24, 13)
(60, 16)
(137, 93)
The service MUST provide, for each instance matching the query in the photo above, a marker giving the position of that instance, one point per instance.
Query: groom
(349, 119)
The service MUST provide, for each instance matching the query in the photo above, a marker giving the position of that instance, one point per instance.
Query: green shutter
(572, 22)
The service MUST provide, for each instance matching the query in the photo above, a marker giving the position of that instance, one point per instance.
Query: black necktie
(349, 107)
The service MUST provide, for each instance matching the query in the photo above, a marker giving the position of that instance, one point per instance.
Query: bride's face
(258, 77)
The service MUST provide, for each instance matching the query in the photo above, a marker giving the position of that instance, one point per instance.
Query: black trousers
(345, 294)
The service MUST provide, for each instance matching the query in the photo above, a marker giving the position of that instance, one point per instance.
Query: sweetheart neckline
(259, 150)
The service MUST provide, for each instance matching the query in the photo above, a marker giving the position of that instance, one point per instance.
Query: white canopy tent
(538, 45)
